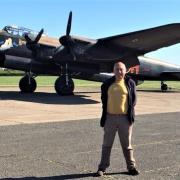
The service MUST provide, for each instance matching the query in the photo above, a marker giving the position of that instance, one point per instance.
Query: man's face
(119, 70)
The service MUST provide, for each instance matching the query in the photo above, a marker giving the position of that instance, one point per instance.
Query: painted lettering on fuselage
(7, 44)
(134, 70)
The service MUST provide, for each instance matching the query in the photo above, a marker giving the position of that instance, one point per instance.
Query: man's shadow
(64, 177)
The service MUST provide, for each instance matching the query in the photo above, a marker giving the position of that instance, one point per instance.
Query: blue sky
(94, 18)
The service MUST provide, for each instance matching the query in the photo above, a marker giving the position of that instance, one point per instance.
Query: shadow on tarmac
(46, 98)
(159, 91)
(69, 176)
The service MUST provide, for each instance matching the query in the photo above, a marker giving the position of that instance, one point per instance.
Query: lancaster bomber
(69, 57)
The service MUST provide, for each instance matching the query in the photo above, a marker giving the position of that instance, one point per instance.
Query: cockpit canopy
(21, 31)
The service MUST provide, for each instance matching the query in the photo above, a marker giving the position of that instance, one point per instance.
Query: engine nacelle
(27, 64)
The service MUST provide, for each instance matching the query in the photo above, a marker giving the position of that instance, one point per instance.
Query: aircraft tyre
(63, 89)
(27, 85)
(164, 87)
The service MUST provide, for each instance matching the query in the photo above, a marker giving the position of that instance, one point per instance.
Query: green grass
(50, 80)
(8, 72)
(43, 81)
(12, 77)
(156, 85)
(9, 80)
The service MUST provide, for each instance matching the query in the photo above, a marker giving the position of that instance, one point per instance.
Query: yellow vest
(117, 98)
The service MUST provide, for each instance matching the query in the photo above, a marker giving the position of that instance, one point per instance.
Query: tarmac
(44, 136)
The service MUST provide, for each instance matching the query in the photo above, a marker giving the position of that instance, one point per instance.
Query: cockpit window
(20, 31)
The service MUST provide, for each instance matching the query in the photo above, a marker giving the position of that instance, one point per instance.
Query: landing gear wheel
(164, 87)
(27, 85)
(62, 88)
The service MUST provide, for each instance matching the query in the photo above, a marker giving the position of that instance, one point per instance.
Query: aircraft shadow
(159, 91)
(47, 98)
(64, 177)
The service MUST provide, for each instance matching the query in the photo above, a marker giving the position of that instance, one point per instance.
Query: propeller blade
(66, 40)
(69, 24)
(33, 44)
(27, 38)
(39, 36)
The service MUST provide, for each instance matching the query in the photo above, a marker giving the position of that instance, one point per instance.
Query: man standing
(118, 95)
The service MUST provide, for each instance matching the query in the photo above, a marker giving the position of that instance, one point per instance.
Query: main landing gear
(27, 84)
(164, 87)
(64, 85)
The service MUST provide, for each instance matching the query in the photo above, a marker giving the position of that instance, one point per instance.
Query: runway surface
(43, 136)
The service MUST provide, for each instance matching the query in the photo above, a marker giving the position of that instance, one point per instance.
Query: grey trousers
(120, 124)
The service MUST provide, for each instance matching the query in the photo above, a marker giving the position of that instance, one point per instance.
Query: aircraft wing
(136, 43)
(171, 75)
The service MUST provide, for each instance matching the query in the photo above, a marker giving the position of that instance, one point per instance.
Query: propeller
(66, 40)
(69, 24)
(33, 44)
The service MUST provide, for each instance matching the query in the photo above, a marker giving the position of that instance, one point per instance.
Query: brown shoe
(100, 173)
(133, 171)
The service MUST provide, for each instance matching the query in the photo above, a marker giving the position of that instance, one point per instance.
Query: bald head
(119, 70)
